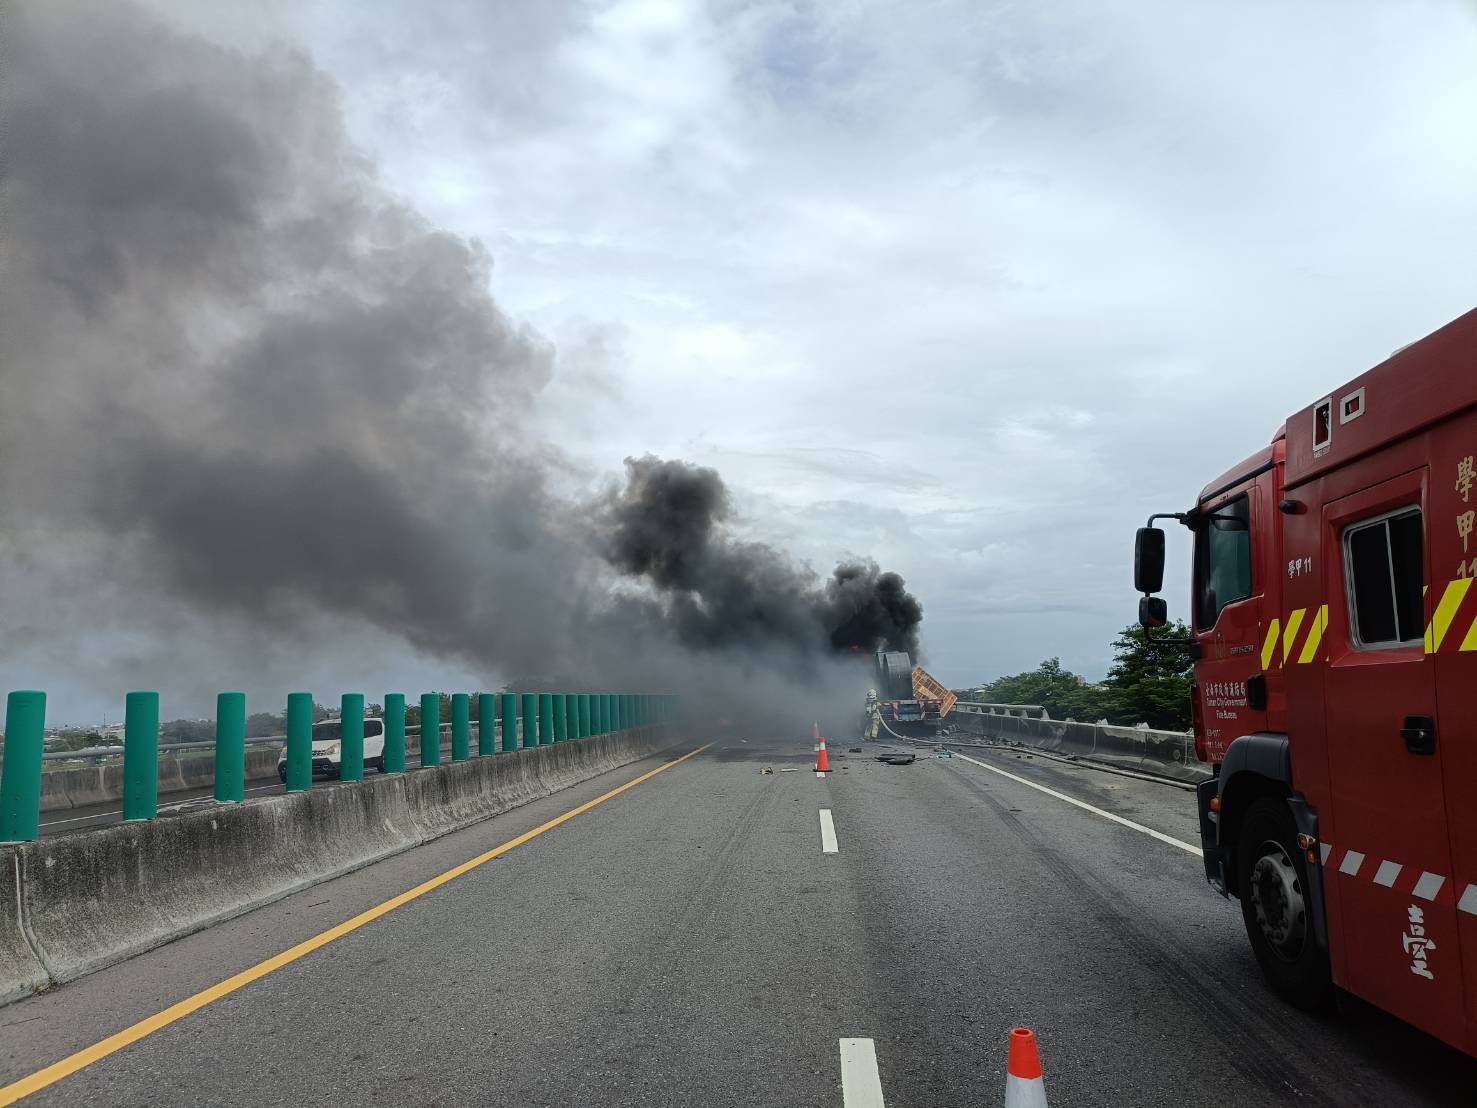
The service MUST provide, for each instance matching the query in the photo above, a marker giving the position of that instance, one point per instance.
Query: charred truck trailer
(1335, 690)
(909, 700)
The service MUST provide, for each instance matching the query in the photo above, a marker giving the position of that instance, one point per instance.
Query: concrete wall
(83, 785)
(92, 898)
(1168, 753)
(79, 786)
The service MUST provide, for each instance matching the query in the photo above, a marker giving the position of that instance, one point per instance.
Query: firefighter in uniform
(873, 716)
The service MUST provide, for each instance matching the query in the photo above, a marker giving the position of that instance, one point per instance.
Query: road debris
(897, 759)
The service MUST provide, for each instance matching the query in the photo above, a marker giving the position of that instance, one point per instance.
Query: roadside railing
(1169, 753)
(505, 722)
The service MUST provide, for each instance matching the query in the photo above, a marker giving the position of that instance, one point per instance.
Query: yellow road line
(85, 1057)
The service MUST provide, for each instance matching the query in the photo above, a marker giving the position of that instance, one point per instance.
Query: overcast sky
(968, 288)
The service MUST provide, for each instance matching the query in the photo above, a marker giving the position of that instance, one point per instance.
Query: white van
(326, 748)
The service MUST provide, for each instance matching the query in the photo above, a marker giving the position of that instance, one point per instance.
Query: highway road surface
(733, 930)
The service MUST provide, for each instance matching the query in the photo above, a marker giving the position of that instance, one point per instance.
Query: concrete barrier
(21, 972)
(96, 897)
(1167, 753)
(83, 785)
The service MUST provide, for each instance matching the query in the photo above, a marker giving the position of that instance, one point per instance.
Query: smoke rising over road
(249, 398)
(665, 525)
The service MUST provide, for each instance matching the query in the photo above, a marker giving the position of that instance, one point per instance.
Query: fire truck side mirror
(1148, 560)
(1153, 612)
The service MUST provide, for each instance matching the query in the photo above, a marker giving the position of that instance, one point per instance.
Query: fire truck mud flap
(1215, 855)
(1306, 822)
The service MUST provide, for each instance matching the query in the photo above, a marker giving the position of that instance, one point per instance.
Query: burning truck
(907, 700)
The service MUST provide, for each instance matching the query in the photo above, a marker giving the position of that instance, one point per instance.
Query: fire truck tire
(1274, 885)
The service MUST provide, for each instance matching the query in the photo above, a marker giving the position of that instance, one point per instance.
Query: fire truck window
(1409, 575)
(1384, 564)
(1222, 561)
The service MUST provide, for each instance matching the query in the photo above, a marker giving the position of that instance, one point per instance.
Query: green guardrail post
(561, 733)
(622, 710)
(394, 733)
(486, 724)
(582, 715)
(597, 713)
(20, 780)
(230, 747)
(351, 737)
(571, 717)
(430, 726)
(545, 719)
(508, 713)
(461, 727)
(530, 720)
(607, 713)
(141, 755)
(299, 742)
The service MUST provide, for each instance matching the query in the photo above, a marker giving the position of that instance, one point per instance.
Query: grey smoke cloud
(665, 525)
(241, 381)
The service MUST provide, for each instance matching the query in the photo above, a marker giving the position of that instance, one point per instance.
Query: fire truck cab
(1335, 690)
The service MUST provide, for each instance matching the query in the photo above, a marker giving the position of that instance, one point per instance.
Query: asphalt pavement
(694, 941)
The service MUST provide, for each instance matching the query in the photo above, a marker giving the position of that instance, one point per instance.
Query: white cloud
(968, 287)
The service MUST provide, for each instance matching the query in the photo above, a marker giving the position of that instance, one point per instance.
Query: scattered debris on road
(897, 759)
(765, 770)
(854, 750)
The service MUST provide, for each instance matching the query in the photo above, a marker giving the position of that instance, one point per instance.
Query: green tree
(74, 738)
(1061, 692)
(260, 725)
(1150, 679)
(187, 731)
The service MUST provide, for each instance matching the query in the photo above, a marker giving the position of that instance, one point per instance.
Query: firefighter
(873, 716)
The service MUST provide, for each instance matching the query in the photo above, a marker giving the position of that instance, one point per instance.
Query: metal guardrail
(1172, 752)
(100, 753)
(1020, 711)
(95, 754)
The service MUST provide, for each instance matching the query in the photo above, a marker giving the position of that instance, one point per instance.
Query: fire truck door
(1388, 861)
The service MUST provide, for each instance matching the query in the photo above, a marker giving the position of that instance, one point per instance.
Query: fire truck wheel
(1279, 921)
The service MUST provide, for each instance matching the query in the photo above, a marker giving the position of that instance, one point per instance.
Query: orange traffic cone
(1024, 1087)
(822, 761)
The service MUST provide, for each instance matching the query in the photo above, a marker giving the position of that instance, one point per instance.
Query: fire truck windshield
(1222, 561)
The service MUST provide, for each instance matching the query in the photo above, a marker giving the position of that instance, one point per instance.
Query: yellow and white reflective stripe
(1315, 636)
(1446, 609)
(1290, 632)
(1269, 645)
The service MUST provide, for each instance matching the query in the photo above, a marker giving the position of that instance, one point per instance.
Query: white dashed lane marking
(861, 1087)
(828, 835)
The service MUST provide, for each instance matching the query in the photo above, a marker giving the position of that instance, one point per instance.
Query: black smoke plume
(254, 409)
(667, 525)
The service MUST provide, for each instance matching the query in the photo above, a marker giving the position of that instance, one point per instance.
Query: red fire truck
(1335, 692)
